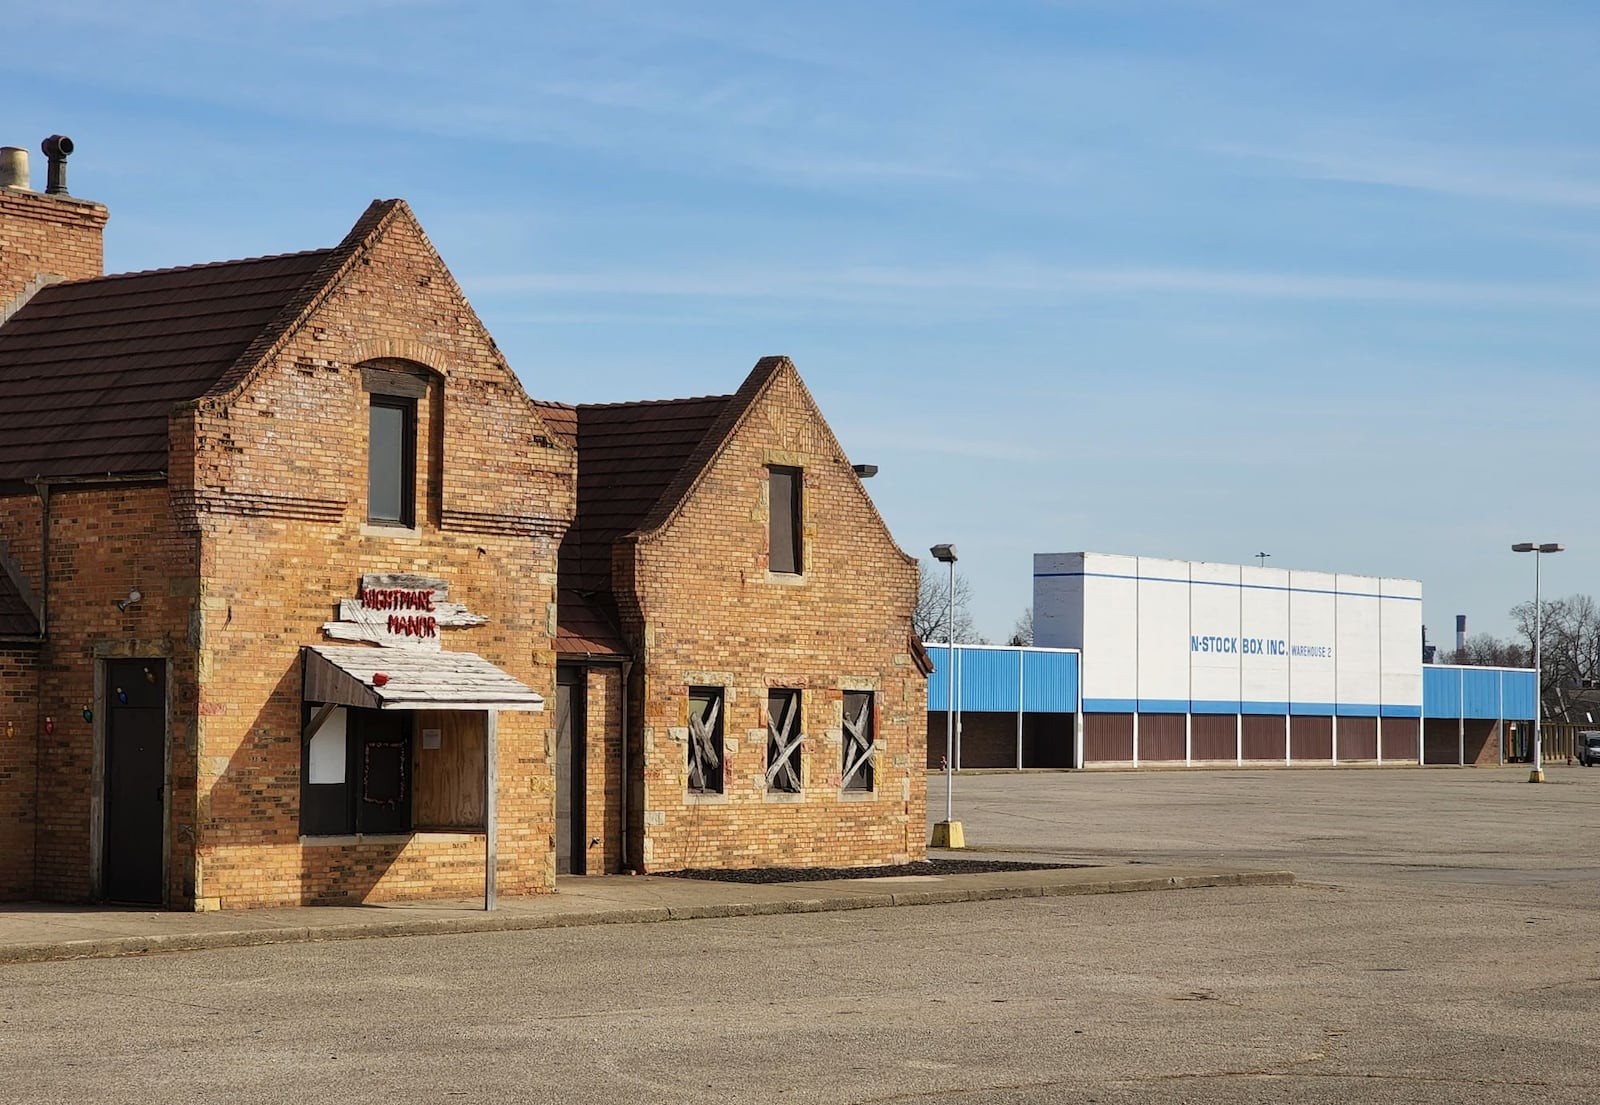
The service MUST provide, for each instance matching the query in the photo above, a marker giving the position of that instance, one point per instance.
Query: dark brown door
(136, 728)
(570, 852)
(382, 772)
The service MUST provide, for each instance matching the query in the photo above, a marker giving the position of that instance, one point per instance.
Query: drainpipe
(43, 488)
(627, 690)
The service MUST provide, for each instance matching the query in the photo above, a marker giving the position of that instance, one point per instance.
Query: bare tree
(1022, 632)
(1487, 650)
(1569, 648)
(931, 619)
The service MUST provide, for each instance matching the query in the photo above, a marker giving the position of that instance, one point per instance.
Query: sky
(1184, 279)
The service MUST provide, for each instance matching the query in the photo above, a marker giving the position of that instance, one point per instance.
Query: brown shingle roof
(586, 625)
(91, 370)
(628, 454)
(562, 418)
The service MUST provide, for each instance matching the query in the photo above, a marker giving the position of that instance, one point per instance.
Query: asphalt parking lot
(1440, 948)
(1435, 827)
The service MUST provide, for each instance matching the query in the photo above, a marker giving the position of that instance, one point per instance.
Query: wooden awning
(411, 679)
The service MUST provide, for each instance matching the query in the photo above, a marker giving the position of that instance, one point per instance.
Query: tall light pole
(947, 833)
(1537, 549)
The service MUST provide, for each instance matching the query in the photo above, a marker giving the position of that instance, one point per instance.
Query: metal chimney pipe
(14, 168)
(1461, 632)
(58, 147)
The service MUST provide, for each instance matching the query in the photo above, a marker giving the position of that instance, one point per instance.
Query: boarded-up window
(860, 746)
(783, 511)
(784, 737)
(705, 740)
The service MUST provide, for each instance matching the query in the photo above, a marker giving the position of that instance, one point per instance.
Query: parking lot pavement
(1442, 952)
(1454, 830)
(39, 932)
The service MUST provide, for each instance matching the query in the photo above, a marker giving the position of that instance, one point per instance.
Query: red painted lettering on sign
(394, 598)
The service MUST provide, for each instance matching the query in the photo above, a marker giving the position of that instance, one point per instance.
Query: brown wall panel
(1047, 740)
(1483, 741)
(987, 740)
(1441, 741)
(1107, 737)
(1160, 737)
(1263, 737)
(1311, 738)
(1399, 737)
(1213, 736)
(1358, 738)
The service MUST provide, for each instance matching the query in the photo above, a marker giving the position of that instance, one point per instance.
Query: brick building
(728, 565)
(280, 547)
(208, 475)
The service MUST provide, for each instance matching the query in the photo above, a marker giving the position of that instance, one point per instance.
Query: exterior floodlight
(1536, 548)
(864, 471)
(944, 554)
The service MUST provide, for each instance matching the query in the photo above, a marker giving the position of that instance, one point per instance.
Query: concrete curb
(113, 947)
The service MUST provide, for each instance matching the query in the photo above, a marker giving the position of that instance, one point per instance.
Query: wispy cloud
(1029, 279)
(1550, 177)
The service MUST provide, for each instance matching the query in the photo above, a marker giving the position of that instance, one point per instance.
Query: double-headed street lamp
(947, 833)
(1536, 548)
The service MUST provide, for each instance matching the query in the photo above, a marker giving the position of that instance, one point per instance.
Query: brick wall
(707, 611)
(19, 729)
(103, 543)
(603, 770)
(50, 236)
(273, 480)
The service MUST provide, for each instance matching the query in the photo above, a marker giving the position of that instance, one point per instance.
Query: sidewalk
(38, 932)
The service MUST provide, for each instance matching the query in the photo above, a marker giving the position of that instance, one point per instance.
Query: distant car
(1589, 748)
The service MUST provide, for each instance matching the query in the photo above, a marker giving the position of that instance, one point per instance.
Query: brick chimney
(44, 236)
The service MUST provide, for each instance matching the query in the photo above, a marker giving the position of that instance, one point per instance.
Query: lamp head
(1523, 546)
(944, 554)
(134, 596)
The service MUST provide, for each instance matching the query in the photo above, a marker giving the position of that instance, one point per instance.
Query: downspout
(43, 488)
(627, 691)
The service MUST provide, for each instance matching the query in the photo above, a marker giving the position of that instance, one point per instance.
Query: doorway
(571, 756)
(135, 782)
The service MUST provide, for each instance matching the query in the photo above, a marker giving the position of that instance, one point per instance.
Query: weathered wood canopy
(412, 679)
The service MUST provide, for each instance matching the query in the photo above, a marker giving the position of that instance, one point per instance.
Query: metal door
(569, 771)
(135, 781)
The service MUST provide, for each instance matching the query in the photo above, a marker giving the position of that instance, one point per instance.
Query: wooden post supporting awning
(421, 679)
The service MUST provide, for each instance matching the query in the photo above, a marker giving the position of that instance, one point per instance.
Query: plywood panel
(449, 778)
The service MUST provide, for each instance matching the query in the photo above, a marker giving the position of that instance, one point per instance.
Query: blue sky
(1179, 279)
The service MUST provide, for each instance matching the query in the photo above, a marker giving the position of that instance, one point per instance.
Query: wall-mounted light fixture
(134, 596)
(864, 471)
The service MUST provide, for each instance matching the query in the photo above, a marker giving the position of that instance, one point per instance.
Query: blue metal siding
(988, 679)
(939, 681)
(1441, 691)
(1050, 682)
(1450, 691)
(1480, 693)
(1520, 695)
